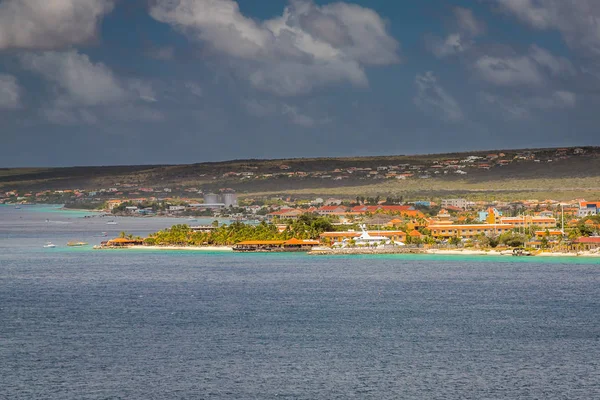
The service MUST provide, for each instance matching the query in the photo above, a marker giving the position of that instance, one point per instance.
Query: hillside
(562, 172)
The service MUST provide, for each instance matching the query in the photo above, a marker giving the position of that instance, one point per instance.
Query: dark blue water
(83, 324)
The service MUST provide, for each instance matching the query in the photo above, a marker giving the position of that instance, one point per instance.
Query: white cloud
(467, 28)
(432, 99)
(85, 89)
(262, 108)
(194, 88)
(509, 108)
(453, 44)
(297, 117)
(522, 107)
(558, 99)
(467, 23)
(530, 69)
(508, 70)
(10, 92)
(578, 20)
(50, 24)
(306, 47)
(79, 80)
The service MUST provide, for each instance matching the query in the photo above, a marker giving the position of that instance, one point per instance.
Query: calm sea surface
(82, 324)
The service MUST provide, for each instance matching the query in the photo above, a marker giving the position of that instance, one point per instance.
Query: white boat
(49, 245)
(111, 223)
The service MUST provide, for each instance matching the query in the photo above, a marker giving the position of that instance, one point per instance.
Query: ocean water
(82, 324)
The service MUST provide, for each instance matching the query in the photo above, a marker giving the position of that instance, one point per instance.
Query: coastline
(188, 248)
(498, 253)
(373, 252)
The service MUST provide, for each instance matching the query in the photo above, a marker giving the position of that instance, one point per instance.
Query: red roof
(331, 208)
(373, 209)
(591, 239)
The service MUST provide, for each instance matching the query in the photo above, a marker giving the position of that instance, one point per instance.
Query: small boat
(111, 223)
(17, 207)
(49, 245)
(192, 219)
(521, 253)
(103, 234)
(76, 244)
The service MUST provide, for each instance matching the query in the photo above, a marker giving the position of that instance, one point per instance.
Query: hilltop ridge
(574, 168)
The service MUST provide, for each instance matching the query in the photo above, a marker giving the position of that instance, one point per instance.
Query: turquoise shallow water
(83, 324)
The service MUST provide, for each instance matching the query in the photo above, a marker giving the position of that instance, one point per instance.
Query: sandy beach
(189, 248)
(506, 253)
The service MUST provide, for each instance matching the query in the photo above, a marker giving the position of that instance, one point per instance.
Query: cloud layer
(80, 87)
(307, 47)
(50, 24)
(432, 99)
(10, 92)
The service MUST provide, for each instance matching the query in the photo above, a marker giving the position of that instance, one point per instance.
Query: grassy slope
(574, 177)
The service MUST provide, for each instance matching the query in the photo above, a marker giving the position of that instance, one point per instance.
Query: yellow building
(528, 220)
(468, 230)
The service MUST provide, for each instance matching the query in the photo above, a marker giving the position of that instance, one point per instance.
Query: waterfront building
(338, 237)
(467, 230)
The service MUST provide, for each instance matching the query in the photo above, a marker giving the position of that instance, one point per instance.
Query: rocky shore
(366, 250)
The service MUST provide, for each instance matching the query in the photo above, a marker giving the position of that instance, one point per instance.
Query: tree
(455, 241)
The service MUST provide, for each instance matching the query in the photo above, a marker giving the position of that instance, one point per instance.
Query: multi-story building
(528, 220)
(467, 231)
(587, 208)
(460, 203)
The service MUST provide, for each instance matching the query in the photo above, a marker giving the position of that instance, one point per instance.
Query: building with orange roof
(337, 237)
(288, 213)
(467, 230)
(415, 234)
(528, 220)
(587, 208)
(276, 245)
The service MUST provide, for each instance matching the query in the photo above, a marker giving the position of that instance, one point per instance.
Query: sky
(115, 82)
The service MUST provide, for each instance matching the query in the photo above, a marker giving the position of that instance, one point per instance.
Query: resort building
(587, 208)
(528, 220)
(276, 245)
(288, 213)
(338, 237)
(458, 203)
(468, 230)
(589, 243)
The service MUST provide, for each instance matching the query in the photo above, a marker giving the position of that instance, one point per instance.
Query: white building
(587, 208)
(460, 203)
(230, 199)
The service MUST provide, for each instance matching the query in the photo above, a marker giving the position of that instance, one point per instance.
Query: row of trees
(306, 227)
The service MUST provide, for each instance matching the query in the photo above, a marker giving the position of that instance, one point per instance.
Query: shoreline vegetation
(224, 239)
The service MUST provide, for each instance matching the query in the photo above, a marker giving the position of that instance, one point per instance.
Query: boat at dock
(521, 253)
